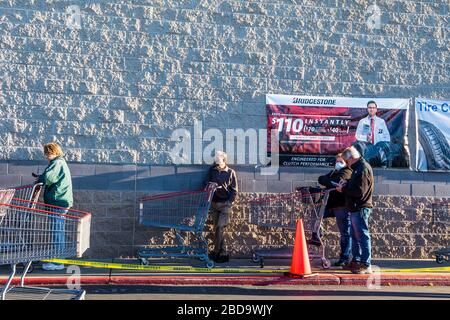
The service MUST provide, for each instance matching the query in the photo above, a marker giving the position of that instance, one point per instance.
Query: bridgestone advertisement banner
(433, 135)
(312, 130)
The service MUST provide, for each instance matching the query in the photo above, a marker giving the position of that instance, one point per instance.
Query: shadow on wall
(131, 181)
(120, 178)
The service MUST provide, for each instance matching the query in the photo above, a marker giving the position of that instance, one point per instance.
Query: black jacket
(336, 199)
(227, 181)
(359, 188)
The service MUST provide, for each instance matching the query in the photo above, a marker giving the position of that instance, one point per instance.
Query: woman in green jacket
(58, 192)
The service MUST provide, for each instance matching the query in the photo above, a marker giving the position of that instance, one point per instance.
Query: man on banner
(372, 129)
(373, 138)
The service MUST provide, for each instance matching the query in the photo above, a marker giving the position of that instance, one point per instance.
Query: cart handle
(171, 194)
(28, 186)
(286, 196)
(47, 212)
(51, 206)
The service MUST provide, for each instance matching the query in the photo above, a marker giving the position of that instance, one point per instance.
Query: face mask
(339, 165)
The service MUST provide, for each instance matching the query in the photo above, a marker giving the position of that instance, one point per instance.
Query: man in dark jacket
(222, 201)
(358, 191)
(336, 207)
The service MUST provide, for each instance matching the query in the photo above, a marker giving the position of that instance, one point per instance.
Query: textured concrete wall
(113, 90)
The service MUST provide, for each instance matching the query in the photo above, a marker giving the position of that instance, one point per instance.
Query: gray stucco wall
(113, 91)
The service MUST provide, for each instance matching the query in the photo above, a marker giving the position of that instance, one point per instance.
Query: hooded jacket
(359, 188)
(57, 183)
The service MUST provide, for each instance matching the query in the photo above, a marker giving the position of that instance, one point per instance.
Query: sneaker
(363, 269)
(353, 265)
(52, 266)
(222, 258)
(341, 263)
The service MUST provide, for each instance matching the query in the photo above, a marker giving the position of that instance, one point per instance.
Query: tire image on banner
(312, 130)
(433, 134)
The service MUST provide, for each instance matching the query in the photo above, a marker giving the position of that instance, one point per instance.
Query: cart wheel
(143, 261)
(202, 257)
(261, 263)
(255, 258)
(439, 259)
(210, 264)
(326, 264)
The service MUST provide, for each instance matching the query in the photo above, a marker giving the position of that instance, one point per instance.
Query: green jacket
(58, 184)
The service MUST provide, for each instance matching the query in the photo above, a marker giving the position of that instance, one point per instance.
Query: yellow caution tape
(429, 270)
(127, 266)
(137, 267)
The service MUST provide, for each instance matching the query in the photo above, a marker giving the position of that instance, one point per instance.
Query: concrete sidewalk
(332, 276)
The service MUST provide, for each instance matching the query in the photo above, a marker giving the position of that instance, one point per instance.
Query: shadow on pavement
(239, 291)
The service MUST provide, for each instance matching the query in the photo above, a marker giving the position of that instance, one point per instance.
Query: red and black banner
(312, 130)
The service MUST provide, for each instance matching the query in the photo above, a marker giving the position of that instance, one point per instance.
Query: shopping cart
(32, 231)
(441, 214)
(181, 212)
(282, 211)
(28, 192)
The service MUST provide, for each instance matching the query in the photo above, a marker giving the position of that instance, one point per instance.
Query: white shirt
(381, 132)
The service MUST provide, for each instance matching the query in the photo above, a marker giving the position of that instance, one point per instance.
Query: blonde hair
(53, 149)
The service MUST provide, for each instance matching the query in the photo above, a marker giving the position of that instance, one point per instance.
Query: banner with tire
(433, 134)
(312, 130)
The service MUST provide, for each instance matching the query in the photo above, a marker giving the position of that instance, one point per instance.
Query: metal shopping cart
(441, 215)
(31, 231)
(29, 192)
(282, 211)
(181, 212)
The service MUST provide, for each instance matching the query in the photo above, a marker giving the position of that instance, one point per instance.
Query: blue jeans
(344, 225)
(361, 247)
(59, 223)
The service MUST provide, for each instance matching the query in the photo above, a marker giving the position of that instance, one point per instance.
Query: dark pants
(220, 212)
(344, 225)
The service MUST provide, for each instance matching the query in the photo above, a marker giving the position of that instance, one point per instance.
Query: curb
(397, 280)
(257, 280)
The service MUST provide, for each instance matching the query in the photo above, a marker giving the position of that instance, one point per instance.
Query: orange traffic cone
(300, 259)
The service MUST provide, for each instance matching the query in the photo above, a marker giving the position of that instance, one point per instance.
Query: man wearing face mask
(336, 208)
(222, 201)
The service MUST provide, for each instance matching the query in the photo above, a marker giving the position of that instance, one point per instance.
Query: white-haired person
(222, 201)
(358, 191)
